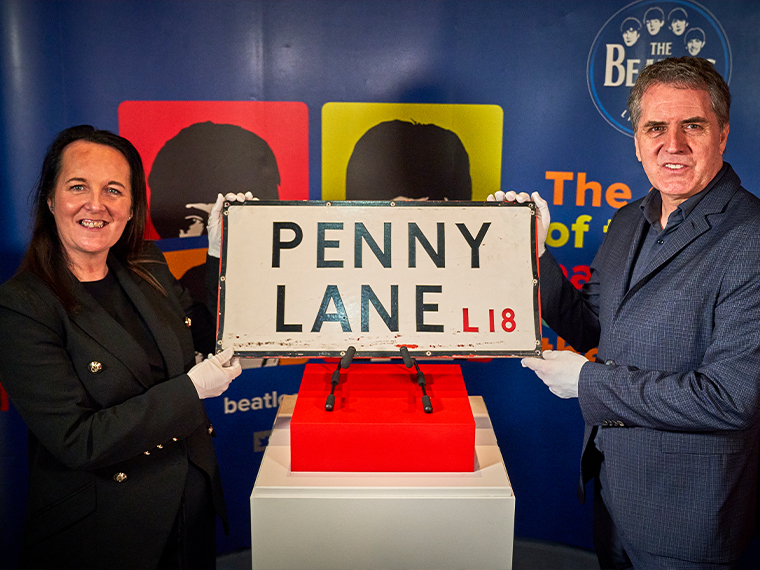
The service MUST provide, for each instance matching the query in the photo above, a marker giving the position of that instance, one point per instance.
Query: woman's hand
(214, 227)
(212, 376)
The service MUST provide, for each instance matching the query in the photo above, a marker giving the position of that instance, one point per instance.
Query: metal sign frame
(280, 258)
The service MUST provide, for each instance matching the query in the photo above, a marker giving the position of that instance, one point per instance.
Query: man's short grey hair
(682, 73)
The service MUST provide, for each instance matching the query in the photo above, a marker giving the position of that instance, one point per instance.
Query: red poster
(193, 150)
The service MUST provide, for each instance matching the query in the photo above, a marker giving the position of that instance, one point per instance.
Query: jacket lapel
(146, 300)
(628, 244)
(692, 228)
(95, 321)
(686, 233)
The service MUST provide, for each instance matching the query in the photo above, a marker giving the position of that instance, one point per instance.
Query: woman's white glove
(544, 219)
(212, 376)
(214, 226)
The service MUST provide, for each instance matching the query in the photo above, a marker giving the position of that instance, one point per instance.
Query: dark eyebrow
(650, 124)
(689, 121)
(78, 179)
(701, 120)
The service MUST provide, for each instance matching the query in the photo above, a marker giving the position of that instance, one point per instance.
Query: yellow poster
(386, 151)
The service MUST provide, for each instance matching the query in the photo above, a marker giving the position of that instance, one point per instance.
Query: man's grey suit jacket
(674, 395)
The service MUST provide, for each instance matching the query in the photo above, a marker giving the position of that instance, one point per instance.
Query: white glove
(212, 376)
(560, 370)
(544, 219)
(214, 226)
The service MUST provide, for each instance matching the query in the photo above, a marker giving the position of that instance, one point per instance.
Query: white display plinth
(352, 521)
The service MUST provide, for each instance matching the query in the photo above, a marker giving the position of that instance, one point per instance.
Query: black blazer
(108, 447)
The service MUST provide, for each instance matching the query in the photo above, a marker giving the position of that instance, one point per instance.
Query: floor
(527, 555)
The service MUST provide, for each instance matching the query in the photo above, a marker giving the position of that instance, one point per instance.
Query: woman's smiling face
(91, 202)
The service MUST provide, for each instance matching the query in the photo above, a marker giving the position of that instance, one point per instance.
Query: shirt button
(660, 242)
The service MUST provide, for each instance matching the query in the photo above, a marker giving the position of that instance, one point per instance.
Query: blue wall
(66, 63)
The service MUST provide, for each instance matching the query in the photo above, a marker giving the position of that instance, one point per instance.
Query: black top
(109, 294)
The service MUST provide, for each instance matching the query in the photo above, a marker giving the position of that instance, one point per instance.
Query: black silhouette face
(201, 161)
(399, 159)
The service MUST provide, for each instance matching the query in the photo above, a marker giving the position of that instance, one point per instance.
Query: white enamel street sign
(441, 278)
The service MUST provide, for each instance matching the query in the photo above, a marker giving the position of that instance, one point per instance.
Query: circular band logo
(640, 34)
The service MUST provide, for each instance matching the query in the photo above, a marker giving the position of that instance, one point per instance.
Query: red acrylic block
(378, 423)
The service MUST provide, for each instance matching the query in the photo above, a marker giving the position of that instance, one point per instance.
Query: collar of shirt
(651, 206)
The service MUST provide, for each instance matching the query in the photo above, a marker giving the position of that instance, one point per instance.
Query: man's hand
(544, 219)
(214, 227)
(560, 370)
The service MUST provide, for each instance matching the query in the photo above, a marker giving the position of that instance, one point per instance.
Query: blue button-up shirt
(655, 236)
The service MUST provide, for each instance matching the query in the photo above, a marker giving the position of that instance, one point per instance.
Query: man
(679, 21)
(198, 163)
(672, 403)
(409, 161)
(694, 40)
(631, 30)
(192, 168)
(654, 18)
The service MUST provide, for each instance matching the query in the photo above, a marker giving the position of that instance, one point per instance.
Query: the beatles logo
(640, 34)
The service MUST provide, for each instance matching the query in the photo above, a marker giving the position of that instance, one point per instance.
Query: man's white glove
(560, 370)
(212, 376)
(214, 226)
(542, 214)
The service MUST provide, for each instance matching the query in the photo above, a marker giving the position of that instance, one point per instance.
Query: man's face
(694, 46)
(196, 219)
(630, 36)
(678, 140)
(654, 26)
(678, 26)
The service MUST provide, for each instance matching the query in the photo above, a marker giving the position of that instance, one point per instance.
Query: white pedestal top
(489, 478)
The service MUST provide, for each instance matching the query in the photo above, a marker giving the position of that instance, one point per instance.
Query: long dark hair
(46, 257)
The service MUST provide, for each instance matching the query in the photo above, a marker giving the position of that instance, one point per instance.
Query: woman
(97, 353)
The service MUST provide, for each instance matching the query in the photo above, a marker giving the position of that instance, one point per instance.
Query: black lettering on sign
(281, 326)
(422, 308)
(474, 242)
(361, 233)
(415, 235)
(278, 244)
(368, 296)
(322, 244)
(340, 316)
